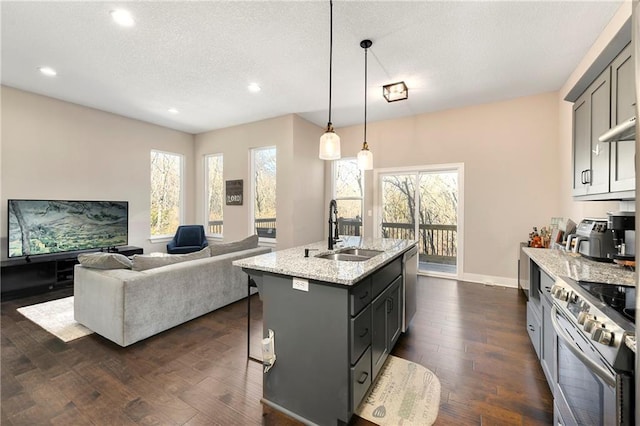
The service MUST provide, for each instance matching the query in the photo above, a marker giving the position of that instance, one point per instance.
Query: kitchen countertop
(561, 263)
(292, 262)
(630, 341)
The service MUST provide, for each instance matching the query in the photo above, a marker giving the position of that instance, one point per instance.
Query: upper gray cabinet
(602, 170)
(623, 103)
(590, 120)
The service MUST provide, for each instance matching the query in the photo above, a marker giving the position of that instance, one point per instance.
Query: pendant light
(330, 141)
(365, 157)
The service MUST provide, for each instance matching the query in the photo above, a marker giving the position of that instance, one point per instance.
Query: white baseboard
(490, 280)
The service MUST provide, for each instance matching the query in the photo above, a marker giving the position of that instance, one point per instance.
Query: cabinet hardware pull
(532, 328)
(366, 293)
(588, 175)
(363, 377)
(365, 332)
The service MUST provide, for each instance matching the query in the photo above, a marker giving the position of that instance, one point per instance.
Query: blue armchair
(188, 238)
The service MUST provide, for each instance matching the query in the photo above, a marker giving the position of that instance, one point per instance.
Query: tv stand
(29, 275)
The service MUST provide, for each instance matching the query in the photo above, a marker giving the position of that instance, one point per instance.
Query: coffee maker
(623, 227)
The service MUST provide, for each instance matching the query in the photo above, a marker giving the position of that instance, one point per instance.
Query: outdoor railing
(436, 243)
(215, 227)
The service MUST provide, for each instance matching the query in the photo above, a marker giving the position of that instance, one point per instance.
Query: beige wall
(58, 150)
(300, 176)
(511, 168)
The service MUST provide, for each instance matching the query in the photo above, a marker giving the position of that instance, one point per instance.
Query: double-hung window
(214, 184)
(263, 191)
(348, 191)
(166, 192)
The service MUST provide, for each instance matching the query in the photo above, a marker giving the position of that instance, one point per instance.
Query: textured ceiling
(199, 57)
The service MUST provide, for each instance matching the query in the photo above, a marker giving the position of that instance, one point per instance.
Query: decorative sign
(234, 192)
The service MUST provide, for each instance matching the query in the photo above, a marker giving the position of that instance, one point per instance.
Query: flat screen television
(53, 226)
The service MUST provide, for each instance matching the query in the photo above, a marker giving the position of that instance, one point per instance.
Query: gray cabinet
(539, 327)
(534, 326)
(326, 338)
(601, 170)
(548, 342)
(386, 324)
(623, 103)
(591, 119)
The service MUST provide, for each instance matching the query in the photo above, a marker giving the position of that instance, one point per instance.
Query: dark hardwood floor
(472, 336)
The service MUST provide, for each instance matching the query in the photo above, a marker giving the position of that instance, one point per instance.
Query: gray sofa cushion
(223, 248)
(104, 260)
(142, 262)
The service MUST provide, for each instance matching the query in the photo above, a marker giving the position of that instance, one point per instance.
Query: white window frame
(377, 205)
(168, 237)
(334, 165)
(206, 196)
(267, 242)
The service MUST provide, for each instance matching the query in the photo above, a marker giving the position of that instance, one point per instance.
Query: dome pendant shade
(330, 141)
(330, 145)
(365, 158)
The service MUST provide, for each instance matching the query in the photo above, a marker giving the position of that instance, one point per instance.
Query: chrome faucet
(333, 224)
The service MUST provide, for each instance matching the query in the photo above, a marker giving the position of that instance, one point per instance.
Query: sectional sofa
(127, 303)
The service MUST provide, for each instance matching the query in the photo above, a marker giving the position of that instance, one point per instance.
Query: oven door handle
(598, 370)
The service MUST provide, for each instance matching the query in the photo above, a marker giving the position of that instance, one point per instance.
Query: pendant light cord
(330, 54)
(365, 96)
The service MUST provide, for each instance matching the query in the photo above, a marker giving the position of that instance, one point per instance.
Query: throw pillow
(223, 248)
(142, 262)
(104, 261)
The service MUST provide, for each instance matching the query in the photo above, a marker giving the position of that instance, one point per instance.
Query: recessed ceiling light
(173, 110)
(122, 17)
(47, 71)
(253, 87)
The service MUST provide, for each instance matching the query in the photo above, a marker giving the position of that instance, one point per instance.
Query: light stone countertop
(292, 262)
(630, 341)
(560, 263)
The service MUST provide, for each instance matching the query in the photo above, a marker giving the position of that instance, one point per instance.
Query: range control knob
(591, 324)
(573, 297)
(556, 290)
(582, 317)
(602, 335)
(564, 295)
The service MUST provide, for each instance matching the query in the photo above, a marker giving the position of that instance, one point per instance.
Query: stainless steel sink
(360, 252)
(343, 256)
(350, 254)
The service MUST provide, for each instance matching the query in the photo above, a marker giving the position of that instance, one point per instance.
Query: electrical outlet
(301, 284)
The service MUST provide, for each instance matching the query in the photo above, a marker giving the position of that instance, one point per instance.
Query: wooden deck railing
(436, 243)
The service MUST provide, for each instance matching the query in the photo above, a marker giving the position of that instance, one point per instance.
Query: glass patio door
(424, 205)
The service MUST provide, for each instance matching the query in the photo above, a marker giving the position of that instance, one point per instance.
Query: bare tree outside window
(215, 193)
(431, 199)
(348, 193)
(166, 188)
(264, 185)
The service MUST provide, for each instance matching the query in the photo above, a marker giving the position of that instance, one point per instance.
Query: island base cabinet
(386, 324)
(310, 377)
(330, 342)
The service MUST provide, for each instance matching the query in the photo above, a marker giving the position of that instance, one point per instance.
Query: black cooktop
(620, 298)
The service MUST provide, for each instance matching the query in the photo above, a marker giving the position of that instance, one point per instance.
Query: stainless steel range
(594, 384)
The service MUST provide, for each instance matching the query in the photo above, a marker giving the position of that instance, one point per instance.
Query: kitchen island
(334, 323)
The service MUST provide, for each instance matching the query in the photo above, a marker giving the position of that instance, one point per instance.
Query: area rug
(56, 316)
(405, 393)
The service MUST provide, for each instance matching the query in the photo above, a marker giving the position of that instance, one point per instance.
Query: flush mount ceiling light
(365, 157)
(123, 17)
(253, 87)
(48, 71)
(395, 92)
(330, 141)
(173, 111)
